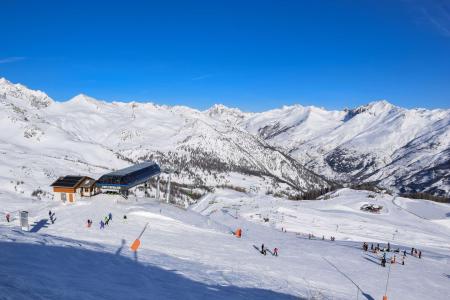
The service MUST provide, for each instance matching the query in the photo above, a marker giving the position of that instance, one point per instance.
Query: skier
(50, 213)
(371, 247)
(383, 262)
(110, 216)
(403, 260)
(404, 253)
(125, 217)
(52, 219)
(102, 225)
(389, 247)
(393, 260)
(275, 251)
(7, 217)
(420, 254)
(106, 220)
(412, 251)
(323, 238)
(263, 251)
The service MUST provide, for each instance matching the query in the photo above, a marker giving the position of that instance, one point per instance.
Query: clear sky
(254, 55)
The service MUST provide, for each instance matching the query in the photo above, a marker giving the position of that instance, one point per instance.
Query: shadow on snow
(32, 271)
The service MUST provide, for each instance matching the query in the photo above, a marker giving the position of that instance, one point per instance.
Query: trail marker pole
(387, 282)
(168, 190)
(157, 188)
(137, 242)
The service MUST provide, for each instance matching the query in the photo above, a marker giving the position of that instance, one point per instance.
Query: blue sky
(254, 55)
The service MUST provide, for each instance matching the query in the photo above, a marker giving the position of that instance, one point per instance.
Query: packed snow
(192, 254)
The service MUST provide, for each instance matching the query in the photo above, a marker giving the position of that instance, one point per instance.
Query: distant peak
(84, 98)
(36, 98)
(375, 106)
(3, 80)
(381, 103)
(220, 108)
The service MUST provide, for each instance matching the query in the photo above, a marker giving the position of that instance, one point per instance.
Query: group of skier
(264, 250)
(312, 236)
(393, 259)
(106, 221)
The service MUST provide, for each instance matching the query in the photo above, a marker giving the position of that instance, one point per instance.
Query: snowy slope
(192, 255)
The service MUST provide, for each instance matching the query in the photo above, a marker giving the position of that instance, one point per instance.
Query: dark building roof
(68, 181)
(131, 176)
(131, 169)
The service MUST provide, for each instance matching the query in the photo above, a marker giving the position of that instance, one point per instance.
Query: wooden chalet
(70, 188)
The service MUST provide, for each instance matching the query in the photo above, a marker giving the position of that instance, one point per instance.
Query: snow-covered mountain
(88, 136)
(271, 152)
(406, 149)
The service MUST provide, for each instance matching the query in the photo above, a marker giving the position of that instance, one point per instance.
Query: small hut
(69, 188)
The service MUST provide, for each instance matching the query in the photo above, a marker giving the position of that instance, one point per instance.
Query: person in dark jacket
(102, 225)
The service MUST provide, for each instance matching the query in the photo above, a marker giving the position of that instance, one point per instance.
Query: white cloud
(11, 59)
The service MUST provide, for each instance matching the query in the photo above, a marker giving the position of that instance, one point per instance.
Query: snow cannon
(238, 233)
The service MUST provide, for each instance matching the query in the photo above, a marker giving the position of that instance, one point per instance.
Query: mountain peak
(83, 98)
(219, 109)
(35, 98)
(3, 80)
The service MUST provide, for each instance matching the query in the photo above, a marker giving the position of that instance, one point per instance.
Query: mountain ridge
(401, 149)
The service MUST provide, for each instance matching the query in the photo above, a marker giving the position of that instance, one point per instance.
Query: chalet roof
(87, 182)
(68, 181)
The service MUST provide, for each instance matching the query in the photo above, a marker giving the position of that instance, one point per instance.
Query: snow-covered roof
(87, 182)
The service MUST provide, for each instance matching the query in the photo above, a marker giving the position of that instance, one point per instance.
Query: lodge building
(70, 188)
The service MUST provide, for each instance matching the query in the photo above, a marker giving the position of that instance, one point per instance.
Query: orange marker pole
(137, 242)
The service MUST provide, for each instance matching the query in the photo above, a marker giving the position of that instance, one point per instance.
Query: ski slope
(191, 254)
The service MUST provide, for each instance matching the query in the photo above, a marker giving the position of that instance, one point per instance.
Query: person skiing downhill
(110, 216)
(263, 251)
(275, 251)
(102, 225)
(7, 217)
(106, 220)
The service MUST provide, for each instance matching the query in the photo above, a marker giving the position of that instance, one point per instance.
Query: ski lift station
(121, 181)
(69, 188)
